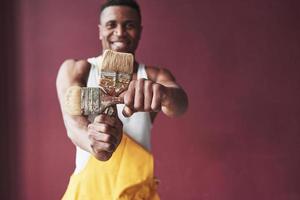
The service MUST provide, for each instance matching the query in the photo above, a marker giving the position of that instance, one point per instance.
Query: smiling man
(120, 28)
(113, 154)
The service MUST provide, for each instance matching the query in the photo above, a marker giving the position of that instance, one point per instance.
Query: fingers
(102, 146)
(139, 95)
(107, 120)
(143, 95)
(157, 97)
(129, 95)
(102, 137)
(107, 125)
(103, 128)
(127, 111)
(104, 134)
(148, 94)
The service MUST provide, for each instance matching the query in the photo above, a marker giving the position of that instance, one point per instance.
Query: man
(113, 159)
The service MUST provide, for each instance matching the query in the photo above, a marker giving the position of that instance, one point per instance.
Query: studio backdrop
(237, 60)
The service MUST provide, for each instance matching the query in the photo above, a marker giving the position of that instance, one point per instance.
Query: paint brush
(115, 75)
(88, 101)
(115, 71)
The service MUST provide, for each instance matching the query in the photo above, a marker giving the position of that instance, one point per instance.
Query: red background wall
(237, 60)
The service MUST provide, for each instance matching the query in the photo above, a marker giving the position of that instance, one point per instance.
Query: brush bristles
(117, 62)
(72, 103)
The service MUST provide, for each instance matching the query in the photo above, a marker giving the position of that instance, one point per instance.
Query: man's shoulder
(74, 70)
(76, 66)
(75, 63)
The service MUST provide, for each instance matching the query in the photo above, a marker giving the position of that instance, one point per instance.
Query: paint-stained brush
(88, 101)
(116, 72)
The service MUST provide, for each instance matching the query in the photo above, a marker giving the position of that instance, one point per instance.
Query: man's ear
(100, 29)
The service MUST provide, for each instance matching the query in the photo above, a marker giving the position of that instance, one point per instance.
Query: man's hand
(145, 96)
(105, 134)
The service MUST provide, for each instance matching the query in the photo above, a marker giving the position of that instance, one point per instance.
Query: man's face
(120, 29)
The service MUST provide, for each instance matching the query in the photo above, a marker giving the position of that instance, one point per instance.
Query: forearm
(73, 73)
(76, 127)
(175, 101)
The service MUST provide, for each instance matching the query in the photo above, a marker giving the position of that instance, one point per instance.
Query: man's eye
(110, 25)
(130, 26)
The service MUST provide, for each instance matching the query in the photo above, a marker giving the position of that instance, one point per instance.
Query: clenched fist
(143, 95)
(105, 134)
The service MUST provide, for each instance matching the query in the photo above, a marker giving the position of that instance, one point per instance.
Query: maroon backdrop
(9, 109)
(237, 60)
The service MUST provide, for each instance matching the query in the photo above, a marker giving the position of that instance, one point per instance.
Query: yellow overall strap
(128, 175)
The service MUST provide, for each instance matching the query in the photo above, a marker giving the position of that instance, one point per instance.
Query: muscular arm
(159, 92)
(72, 73)
(174, 100)
(101, 137)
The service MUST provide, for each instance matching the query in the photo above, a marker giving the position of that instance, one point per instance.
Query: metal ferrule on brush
(94, 101)
(114, 83)
(90, 101)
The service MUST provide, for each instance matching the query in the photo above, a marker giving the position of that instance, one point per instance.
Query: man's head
(120, 25)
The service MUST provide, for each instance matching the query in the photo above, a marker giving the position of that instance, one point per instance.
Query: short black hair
(130, 3)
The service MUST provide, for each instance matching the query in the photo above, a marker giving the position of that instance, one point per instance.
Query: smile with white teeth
(119, 44)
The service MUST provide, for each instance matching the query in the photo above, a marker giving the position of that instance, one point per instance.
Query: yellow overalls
(128, 175)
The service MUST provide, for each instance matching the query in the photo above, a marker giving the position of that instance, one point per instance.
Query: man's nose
(119, 30)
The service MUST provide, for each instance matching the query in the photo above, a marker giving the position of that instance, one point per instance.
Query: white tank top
(138, 126)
